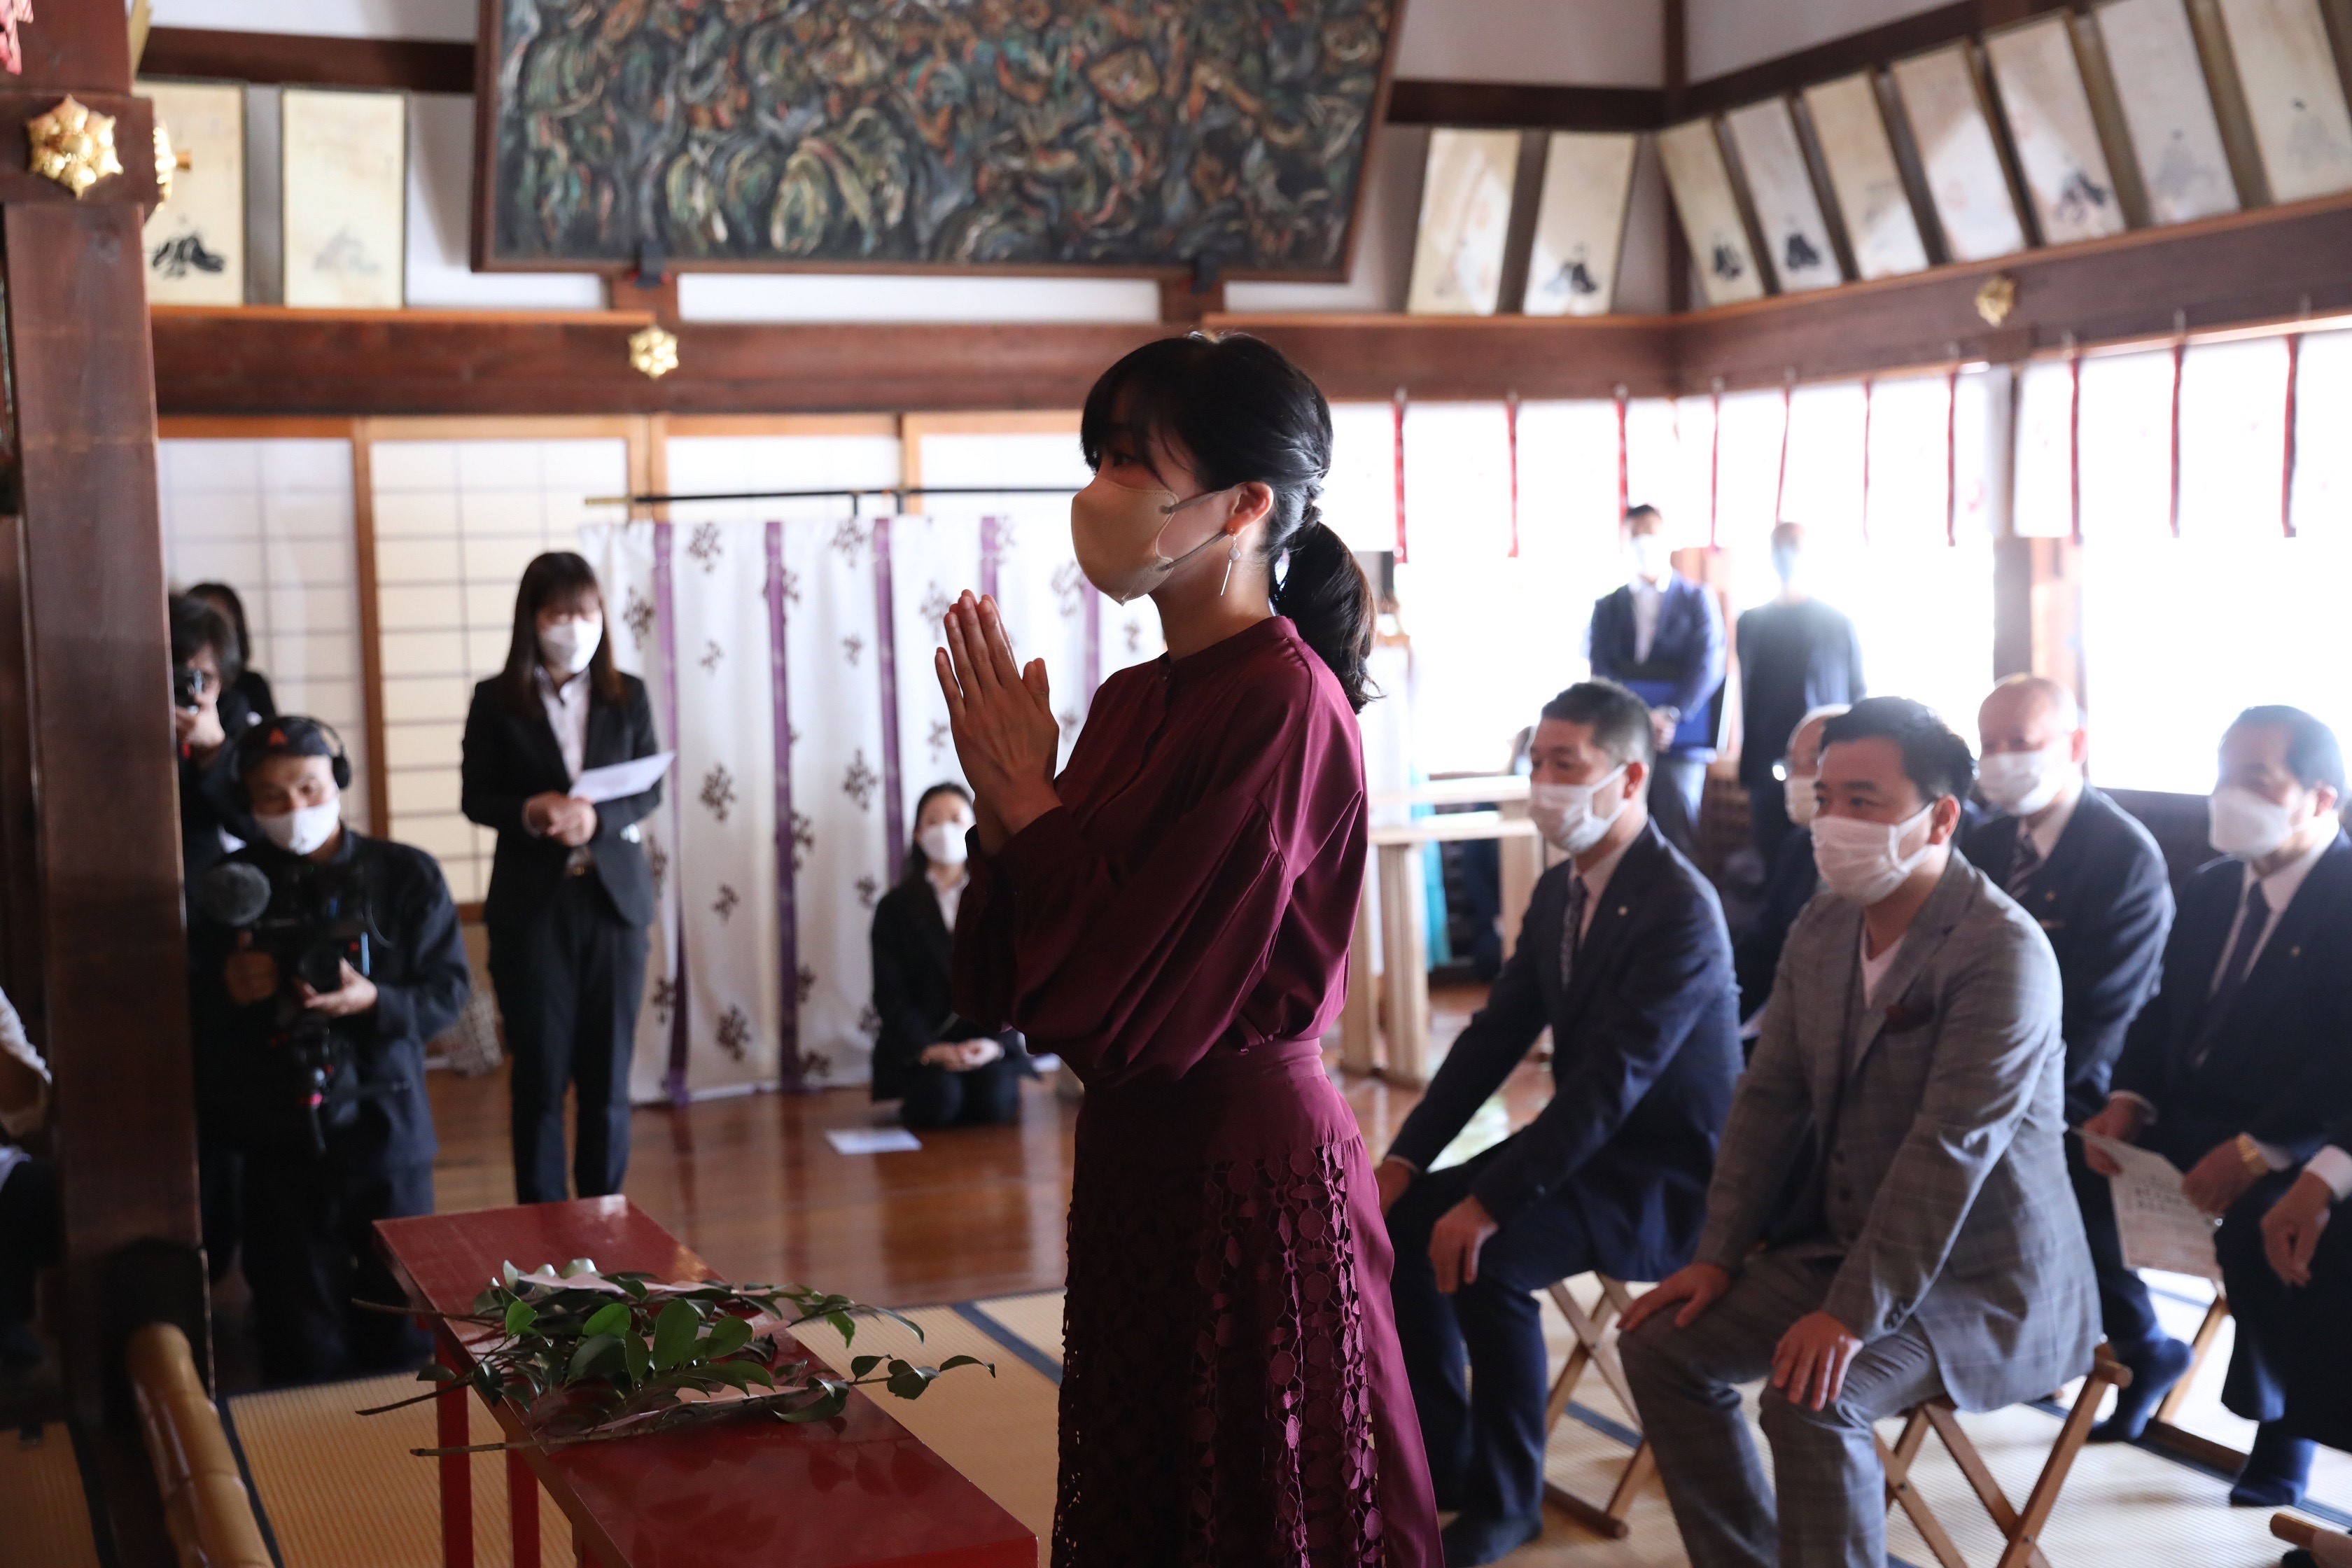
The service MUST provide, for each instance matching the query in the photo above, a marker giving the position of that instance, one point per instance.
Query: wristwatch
(2250, 1152)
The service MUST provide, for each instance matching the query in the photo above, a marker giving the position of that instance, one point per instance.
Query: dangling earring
(1236, 555)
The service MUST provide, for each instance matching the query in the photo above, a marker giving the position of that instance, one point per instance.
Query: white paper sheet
(2159, 1226)
(872, 1140)
(621, 780)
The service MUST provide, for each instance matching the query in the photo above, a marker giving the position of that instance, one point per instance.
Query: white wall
(1727, 34)
(445, 19)
(1613, 43)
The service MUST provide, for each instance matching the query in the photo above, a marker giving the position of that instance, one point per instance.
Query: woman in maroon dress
(1171, 916)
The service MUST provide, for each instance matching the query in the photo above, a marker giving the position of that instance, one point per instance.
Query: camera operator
(325, 959)
(207, 715)
(29, 1195)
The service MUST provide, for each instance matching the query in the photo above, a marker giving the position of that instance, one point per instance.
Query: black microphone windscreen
(233, 893)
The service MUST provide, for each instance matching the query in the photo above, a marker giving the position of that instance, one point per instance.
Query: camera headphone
(261, 739)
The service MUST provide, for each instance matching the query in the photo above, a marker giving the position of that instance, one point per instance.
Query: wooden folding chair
(2164, 1430)
(1597, 1350)
(2021, 1530)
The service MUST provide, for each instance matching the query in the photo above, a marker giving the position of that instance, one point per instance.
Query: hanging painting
(1965, 178)
(1781, 188)
(2293, 95)
(2167, 108)
(1850, 132)
(1058, 135)
(1465, 222)
(1709, 210)
(344, 189)
(2050, 126)
(194, 239)
(1581, 223)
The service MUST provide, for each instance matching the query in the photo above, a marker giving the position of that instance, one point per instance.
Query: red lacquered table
(745, 1492)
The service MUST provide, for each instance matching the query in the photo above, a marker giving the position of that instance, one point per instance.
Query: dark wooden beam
(2271, 265)
(302, 60)
(1525, 106)
(1458, 357)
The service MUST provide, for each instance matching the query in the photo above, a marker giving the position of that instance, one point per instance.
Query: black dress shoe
(2154, 1372)
(2298, 1558)
(1474, 1539)
(2277, 1471)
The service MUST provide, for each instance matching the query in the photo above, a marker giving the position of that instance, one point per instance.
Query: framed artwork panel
(194, 241)
(1965, 178)
(2054, 133)
(2167, 110)
(1881, 229)
(1709, 210)
(345, 194)
(2294, 97)
(1581, 223)
(1796, 235)
(1466, 223)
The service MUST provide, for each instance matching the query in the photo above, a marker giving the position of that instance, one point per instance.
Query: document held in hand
(2159, 1226)
(621, 779)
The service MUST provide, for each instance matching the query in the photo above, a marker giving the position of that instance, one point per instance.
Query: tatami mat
(342, 1491)
(44, 1510)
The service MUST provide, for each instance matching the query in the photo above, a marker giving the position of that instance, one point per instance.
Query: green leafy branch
(583, 1356)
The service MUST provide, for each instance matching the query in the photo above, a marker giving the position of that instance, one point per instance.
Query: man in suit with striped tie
(2236, 1066)
(2094, 880)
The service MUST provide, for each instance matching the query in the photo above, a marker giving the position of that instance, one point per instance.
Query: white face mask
(1863, 862)
(1803, 801)
(2244, 824)
(571, 644)
(943, 842)
(1564, 814)
(1652, 559)
(303, 829)
(2022, 783)
(1115, 532)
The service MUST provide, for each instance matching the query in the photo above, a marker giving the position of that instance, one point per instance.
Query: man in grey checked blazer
(1911, 1062)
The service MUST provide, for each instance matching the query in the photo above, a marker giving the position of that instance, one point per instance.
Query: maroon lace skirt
(1231, 1389)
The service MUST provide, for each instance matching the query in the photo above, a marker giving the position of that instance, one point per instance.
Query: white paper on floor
(871, 1140)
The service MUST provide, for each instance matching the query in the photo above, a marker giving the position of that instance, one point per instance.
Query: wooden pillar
(1675, 23)
(101, 867)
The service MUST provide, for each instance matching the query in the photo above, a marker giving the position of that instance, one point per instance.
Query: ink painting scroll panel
(1057, 135)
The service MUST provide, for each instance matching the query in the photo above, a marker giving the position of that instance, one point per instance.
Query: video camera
(311, 920)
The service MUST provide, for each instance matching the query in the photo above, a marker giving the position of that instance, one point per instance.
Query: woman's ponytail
(1324, 592)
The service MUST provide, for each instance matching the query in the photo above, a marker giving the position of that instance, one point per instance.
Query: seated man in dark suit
(1662, 635)
(2234, 1069)
(1625, 956)
(1790, 880)
(2313, 1258)
(2093, 879)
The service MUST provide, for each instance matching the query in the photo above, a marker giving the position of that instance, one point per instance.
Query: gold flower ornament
(73, 146)
(653, 352)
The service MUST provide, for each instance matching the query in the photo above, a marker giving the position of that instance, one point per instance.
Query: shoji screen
(459, 509)
(271, 516)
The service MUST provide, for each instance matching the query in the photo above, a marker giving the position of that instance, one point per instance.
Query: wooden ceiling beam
(302, 60)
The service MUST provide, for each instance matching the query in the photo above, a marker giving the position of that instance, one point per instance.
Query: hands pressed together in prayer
(1001, 716)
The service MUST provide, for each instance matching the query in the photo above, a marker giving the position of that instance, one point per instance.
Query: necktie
(1572, 929)
(2233, 969)
(2022, 863)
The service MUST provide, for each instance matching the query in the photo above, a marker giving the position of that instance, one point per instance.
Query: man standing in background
(1661, 636)
(1796, 654)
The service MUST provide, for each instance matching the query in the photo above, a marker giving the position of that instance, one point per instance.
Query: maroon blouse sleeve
(1136, 970)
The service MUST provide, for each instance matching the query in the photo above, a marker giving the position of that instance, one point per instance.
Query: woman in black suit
(944, 1072)
(570, 894)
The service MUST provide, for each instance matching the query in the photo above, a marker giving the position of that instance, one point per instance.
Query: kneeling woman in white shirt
(945, 1072)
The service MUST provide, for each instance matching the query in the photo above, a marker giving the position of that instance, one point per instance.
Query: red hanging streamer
(1869, 396)
(1400, 476)
(1780, 483)
(2074, 445)
(2286, 462)
(1714, 458)
(2179, 357)
(1624, 487)
(1952, 456)
(1511, 430)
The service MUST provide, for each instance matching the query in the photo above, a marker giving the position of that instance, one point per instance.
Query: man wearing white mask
(1625, 957)
(2095, 881)
(2235, 1068)
(312, 998)
(1911, 1065)
(1661, 636)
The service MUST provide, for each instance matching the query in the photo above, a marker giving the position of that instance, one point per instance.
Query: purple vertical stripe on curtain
(788, 936)
(992, 547)
(1094, 640)
(665, 617)
(886, 667)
